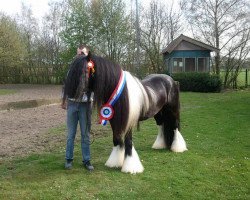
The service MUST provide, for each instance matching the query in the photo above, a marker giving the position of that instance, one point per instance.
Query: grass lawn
(217, 131)
(241, 79)
(6, 91)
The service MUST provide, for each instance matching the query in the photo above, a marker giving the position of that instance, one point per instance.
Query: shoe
(88, 166)
(68, 164)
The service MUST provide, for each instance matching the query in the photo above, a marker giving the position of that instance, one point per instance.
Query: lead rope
(90, 69)
(90, 129)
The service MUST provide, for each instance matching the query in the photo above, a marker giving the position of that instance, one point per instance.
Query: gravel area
(23, 131)
(26, 92)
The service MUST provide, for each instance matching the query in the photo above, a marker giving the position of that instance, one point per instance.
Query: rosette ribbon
(107, 111)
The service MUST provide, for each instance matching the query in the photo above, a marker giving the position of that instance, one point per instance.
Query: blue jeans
(78, 112)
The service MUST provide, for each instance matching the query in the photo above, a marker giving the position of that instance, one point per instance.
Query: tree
(29, 29)
(235, 58)
(159, 26)
(217, 22)
(100, 24)
(50, 43)
(76, 27)
(111, 28)
(12, 51)
(174, 23)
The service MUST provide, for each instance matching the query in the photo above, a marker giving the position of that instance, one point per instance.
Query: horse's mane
(106, 78)
(74, 76)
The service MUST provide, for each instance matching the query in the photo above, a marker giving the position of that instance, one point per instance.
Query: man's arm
(63, 101)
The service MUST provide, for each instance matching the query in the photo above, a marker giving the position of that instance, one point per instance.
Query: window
(190, 65)
(177, 65)
(202, 64)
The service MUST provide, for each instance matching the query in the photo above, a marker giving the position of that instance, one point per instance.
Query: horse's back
(162, 90)
(157, 80)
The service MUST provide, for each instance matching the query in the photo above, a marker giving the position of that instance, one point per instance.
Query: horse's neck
(104, 87)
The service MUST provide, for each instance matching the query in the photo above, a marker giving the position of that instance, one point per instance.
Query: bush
(198, 82)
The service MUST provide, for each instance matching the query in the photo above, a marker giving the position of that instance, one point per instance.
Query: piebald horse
(124, 100)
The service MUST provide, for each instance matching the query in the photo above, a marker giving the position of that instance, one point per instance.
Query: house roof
(181, 38)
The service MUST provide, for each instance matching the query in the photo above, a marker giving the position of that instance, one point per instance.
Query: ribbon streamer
(107, 111)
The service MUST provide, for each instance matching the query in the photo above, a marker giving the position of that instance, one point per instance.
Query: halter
(91, 68)
(107, 111)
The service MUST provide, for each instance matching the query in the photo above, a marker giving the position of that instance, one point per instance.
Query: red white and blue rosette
(107, 111)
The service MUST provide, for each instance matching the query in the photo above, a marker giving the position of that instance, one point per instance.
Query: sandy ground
(24, 131)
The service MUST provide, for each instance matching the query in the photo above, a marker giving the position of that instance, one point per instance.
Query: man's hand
(64, 105)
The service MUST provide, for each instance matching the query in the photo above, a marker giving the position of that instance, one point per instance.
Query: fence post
(246, 78)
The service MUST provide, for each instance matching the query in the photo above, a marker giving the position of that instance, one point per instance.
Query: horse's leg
(132, 163)
(159, 142)
(173, 138)
(116, 157)
(179, 144)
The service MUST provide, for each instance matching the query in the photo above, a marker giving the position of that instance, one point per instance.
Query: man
(77, 101)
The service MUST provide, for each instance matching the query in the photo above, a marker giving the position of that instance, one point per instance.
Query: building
(185, 54)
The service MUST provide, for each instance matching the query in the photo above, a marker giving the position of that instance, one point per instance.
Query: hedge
(198, 82)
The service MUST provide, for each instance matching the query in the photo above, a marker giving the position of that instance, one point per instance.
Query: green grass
(7, 91)
(241, 79)
(216, 128)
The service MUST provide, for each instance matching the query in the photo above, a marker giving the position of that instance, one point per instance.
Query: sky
(40, 7)
(12, 7)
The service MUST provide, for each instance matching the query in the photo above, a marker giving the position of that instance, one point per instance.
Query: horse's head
(80, 76)
(93, 73)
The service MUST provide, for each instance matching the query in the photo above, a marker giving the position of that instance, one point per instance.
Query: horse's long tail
(171, 117)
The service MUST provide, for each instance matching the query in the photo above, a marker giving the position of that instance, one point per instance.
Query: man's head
(82, 49)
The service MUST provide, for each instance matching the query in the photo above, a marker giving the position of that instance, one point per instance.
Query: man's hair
(81, 46)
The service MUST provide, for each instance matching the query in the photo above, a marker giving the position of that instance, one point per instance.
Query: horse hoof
(132, 164)
(116, 157)
(179, 144)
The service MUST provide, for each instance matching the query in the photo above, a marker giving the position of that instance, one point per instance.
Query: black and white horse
(155, 96)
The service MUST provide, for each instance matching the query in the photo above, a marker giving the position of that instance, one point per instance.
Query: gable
(184, 45)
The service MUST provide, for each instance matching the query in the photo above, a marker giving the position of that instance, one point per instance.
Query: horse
(157, 95)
